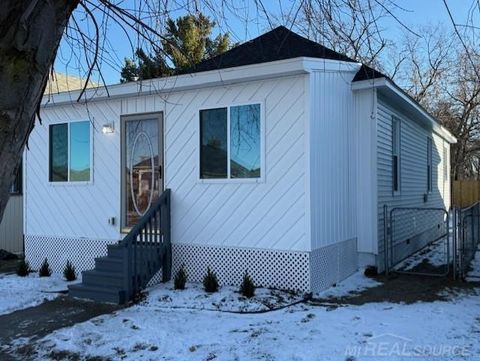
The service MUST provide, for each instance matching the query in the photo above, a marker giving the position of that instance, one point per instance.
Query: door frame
(161, 156)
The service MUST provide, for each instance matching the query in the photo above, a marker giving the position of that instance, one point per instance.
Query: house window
(16, 187)
(395, 155)
(429, 165)
(230, 142)
(70, 152)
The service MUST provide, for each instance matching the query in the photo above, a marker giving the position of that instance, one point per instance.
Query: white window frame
(429, 164)
(260, 179)
(69, 182)
(396, 124)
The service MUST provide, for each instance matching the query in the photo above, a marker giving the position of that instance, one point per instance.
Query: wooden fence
(465, 192)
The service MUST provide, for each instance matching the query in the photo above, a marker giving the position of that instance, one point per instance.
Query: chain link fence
(467, 221)
(418, 241)
(431, 241)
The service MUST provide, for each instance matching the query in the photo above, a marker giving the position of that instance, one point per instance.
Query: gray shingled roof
(277, 44)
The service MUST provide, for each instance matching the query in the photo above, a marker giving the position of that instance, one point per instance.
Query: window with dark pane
(213, 143)
(58, 153)
(395, 155)
(245, 141)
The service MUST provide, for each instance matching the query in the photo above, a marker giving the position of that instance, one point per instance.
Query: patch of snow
(474, 274)
(151, 331)
(228, 299)
(356, 283)
(435, 254)
(21, 292)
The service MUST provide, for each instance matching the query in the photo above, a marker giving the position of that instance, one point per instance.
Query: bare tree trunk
(30, 33)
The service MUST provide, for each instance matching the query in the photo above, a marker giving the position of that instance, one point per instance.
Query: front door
(142, 165)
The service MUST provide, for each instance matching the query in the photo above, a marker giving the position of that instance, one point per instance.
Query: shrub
(45, 270)
(210, 281)
(247, 288)
(69, 272)
(23, 268)
(180, 278)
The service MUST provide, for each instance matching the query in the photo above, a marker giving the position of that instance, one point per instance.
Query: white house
(279, 156)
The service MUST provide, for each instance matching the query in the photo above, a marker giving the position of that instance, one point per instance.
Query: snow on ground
(193, 297)
(474, 274)
(156, 330)
(435, 254)
(354, 284)
(21, 292)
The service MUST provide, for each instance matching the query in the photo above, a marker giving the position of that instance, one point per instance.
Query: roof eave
(183, 82)
(387, 84)
(222, 77)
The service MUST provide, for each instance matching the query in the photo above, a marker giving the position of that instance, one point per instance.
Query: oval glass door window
(142, 171)
(142, 174)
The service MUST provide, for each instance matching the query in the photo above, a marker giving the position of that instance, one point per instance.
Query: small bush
(23, 268)
(180, 278)
(45, 270)
(210, 281)
(247, 288)
(69, 272)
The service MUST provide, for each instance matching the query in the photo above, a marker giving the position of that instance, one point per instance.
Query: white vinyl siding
(269, 214)
(364, 152)
(414, 158)
(332, 144)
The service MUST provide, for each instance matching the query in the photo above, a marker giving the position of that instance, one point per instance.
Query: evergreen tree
(186, 42)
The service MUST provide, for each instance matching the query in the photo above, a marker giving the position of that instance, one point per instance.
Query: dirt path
(39, 321)
(406, 288)
(8, 266)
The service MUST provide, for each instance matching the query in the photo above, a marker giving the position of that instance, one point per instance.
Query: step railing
(147, 247)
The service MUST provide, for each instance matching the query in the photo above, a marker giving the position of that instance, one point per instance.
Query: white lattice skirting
(292, 270)
(331, 264)
(268, 268)
(303, 271)
(81, 252)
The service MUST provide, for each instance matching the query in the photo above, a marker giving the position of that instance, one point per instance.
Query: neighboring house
(60, 82)
(278, 155)
(11, 226)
